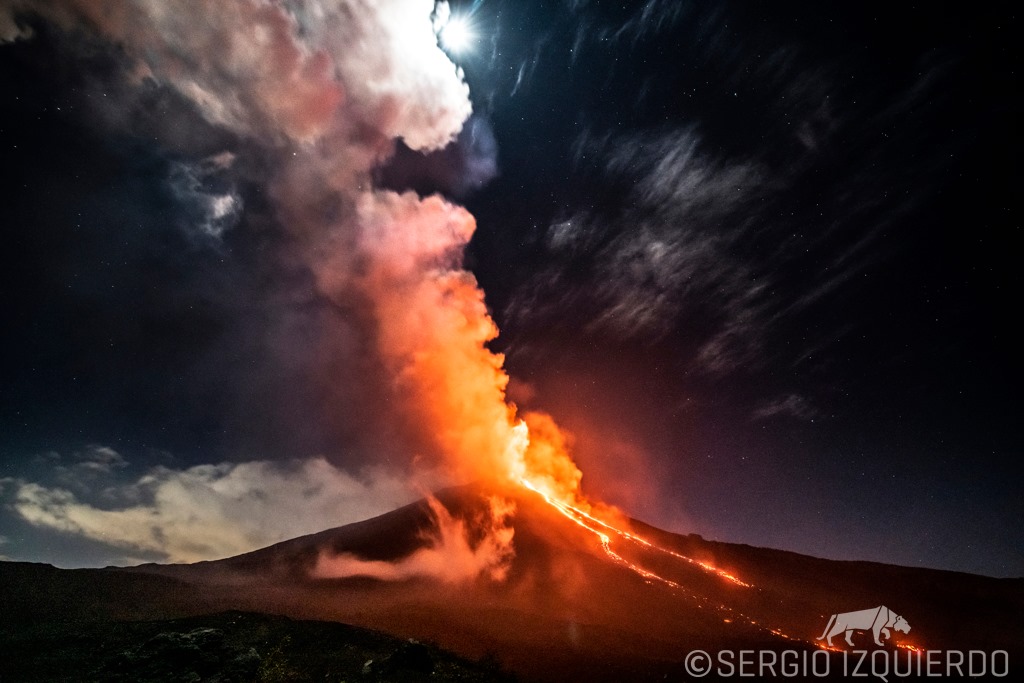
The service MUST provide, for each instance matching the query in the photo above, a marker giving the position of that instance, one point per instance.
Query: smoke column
(324, 88)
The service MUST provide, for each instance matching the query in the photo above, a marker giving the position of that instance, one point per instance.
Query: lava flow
(595, 526)
(580, 518)
(540, 463)
(601, 528)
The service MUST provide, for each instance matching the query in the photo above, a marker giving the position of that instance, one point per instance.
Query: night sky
(760, 259)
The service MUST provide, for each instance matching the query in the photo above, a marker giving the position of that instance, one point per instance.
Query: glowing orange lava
(594, 525)
(831, 648)
(564, 497)
(581, 519)
(912, 648)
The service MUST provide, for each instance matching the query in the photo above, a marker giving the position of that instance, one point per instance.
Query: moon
(457, 35)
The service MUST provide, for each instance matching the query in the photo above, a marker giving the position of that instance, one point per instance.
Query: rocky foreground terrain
(225, 648)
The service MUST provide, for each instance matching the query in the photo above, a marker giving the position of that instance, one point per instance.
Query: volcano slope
(570, 607)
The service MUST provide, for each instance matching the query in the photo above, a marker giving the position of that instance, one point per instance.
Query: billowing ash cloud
(286, 71)
(315, 94)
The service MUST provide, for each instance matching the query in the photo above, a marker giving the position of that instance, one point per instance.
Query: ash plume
(307, 99)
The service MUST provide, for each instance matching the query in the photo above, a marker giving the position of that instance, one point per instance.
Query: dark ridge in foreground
(229, 647)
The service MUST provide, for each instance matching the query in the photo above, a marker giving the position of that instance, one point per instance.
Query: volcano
(571, 603)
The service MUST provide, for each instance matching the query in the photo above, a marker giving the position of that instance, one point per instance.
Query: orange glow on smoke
(432, 331)
(546, 462)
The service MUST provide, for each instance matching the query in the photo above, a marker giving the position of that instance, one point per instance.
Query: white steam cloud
(450, 555)
(211, 511)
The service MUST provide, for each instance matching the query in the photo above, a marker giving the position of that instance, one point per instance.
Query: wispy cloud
(729, 247)
(790, 405)
(99, 459)
(210, 201)
(674, 251)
